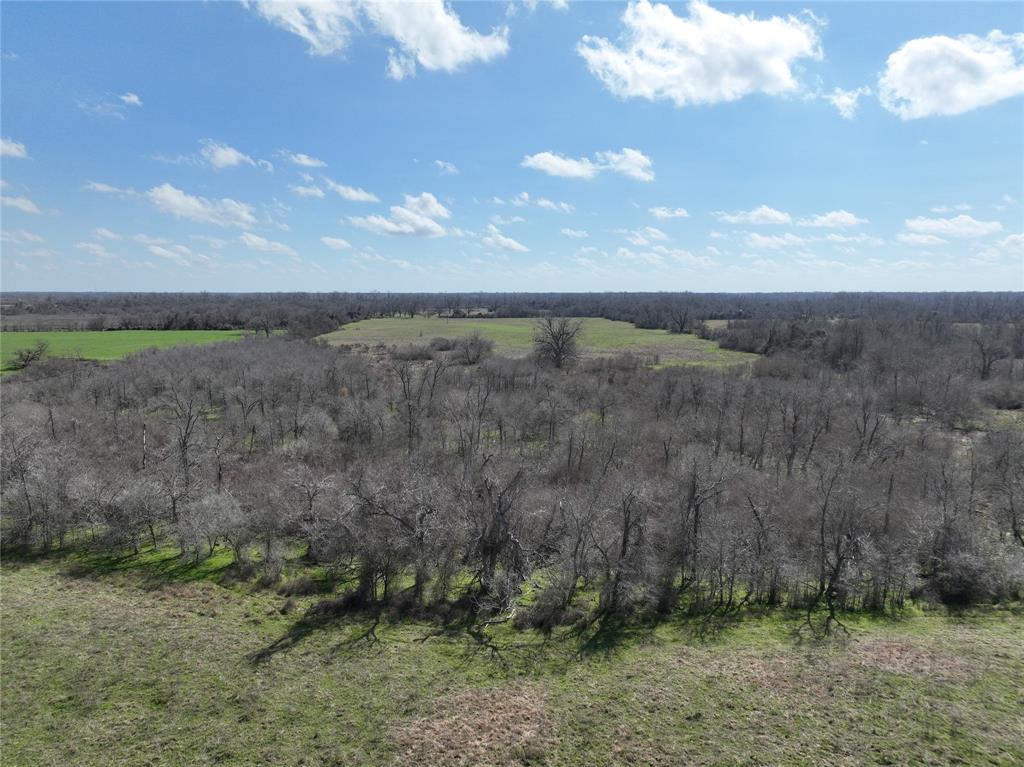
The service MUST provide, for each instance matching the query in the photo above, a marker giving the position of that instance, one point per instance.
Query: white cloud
(95, 249)
(645, 235)
(861, 238)
(97, 186)
(335, 243)
(446, 168)
(958, 226)
(263, 245)
(625, 254)
(836, 219)
(560, 207)
(557, 165)
(414, 218)
(706, 57)
(950, 208)
(171, 255)
(495, 239)
(131, 99)
(578, 234)
(943, 75)
(23, 204)
(759, 215)
(223, 156)
(307, 191)
(920, 239)
(428, 33)
(304, 160)
(9, 148)
(351, 193)
(106, 234)
(224, 212)
(662, 213)
(628, 162)
(775, 241)
(846, 101)
(502, 221)
(521, 199)
(20, 236)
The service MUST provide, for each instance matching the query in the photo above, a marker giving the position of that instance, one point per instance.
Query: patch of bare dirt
(499, 727)
(901, 657)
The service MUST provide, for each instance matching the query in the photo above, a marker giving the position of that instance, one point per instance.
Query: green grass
(513, 337)
(145, 660)
(106, 344)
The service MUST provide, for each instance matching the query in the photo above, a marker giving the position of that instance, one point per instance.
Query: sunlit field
(106, 344)
(513, 337)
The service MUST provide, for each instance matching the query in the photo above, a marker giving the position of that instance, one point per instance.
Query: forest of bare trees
(857, 465)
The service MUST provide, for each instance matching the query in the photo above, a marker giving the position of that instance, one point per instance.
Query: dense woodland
(871, 456)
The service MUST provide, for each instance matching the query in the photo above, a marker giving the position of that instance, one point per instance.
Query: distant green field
(106, 344)
(513, 337)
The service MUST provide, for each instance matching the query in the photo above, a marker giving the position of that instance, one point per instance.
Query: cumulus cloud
(559, 207)
(578, 234)
(130, 99)
(105, 234)
(351, 193)
(556, 165)
(495, 239)
(942, 75)
(662, 213)
(846, 102)
(427, 33)
(775, 241)
(920, 239)
(95, 249)
(836, 219)
(98, 186)
(336, 243)
(304, 160)
(220, 156)
(224, 212)
(958, 227)
(446, 168)
(10, 148)
(416, 218)
(705, 57)
(307, 191)
(628, 162)
(645, 236)
(263, 245)
(23, 204)
(759, 215)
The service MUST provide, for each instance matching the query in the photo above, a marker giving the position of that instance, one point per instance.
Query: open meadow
(513, 337)
(148, 660)
(105, 345)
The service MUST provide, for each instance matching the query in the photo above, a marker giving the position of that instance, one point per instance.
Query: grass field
(106, 344)
(145, 661)
(513, 337)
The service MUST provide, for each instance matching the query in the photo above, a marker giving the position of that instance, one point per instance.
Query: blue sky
(358, 145)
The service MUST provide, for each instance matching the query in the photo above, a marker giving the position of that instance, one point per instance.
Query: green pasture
(514, 337)
(106, 344)
(152, 660)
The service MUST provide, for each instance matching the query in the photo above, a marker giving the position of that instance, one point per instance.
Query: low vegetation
(135, 663)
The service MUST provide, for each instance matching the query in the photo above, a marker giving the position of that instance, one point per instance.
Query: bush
(412, 353)
(441, 344)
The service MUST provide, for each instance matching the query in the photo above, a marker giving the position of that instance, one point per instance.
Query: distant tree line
(310, 314)
(852, 470)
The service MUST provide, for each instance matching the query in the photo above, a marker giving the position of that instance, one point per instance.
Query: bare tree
(556, 340)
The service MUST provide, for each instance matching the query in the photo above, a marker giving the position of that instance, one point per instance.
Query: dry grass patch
(499, 727)
(899, 656)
